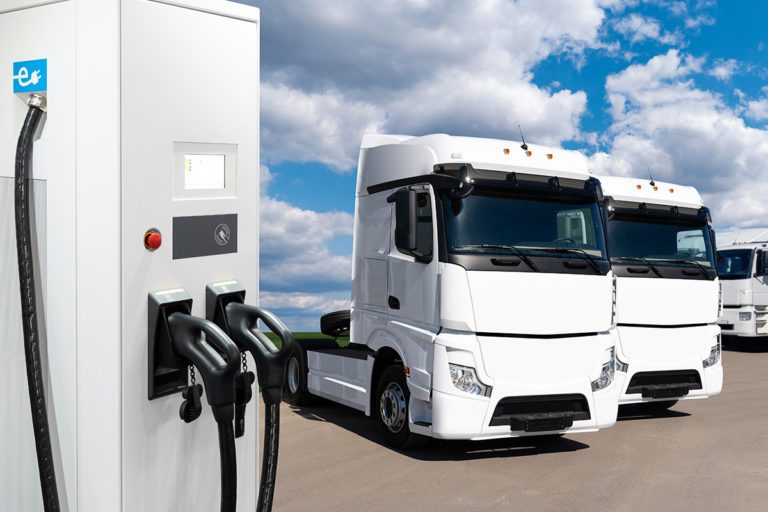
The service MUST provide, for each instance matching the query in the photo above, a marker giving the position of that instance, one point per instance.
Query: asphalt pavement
(702, 455)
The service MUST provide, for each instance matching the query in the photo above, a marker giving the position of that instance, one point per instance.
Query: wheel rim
(293, 375)
(392, 407)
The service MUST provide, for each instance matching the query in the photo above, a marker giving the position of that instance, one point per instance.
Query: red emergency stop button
(152, 240)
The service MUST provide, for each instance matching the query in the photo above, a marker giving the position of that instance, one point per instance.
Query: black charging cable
(217, 359)
(30, 317)
(242, 322)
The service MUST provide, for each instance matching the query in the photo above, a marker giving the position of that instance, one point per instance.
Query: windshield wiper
(695, 263)
(528, 261)
(641, 260)
(589, 258)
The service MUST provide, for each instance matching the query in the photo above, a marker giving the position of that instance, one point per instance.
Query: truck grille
(540, 413)
(664, 384)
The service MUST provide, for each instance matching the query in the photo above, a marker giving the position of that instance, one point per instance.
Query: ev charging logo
(30, 76)
(222, 234)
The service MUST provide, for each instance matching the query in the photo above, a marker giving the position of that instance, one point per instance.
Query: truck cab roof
(743, 238)
(386, 158)
(641, 191)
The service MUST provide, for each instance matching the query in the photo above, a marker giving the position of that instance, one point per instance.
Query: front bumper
(754, 327)
(657, 353)
(518, 367)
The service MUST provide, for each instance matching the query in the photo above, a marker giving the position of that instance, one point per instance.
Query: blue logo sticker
(30, 76)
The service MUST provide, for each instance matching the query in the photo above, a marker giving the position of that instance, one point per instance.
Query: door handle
(394, 302)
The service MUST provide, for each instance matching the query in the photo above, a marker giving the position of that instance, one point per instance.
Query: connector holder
(166, 373)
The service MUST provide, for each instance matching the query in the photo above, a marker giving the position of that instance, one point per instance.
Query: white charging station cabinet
(152, 123)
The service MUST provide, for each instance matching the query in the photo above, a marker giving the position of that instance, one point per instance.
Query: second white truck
(742, 263)
(662, 252)
(482, 302)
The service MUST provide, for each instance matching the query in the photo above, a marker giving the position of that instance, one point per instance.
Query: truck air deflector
(664, 384)
(540, 413)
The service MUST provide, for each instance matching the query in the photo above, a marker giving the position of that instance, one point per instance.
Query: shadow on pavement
(437, 450)
(753, 345)
(641, 412)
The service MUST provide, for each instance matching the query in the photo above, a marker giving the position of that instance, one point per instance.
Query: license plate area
(665, 391)
(541, 423)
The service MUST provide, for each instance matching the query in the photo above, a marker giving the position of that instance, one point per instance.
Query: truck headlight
(621, 366)
(465, 379)
(714, 355)
(745, 316)
(607, 372)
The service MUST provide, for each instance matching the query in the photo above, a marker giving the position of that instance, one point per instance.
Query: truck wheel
(392, 398)
(295, 391)
(335, 324)
(658, 406)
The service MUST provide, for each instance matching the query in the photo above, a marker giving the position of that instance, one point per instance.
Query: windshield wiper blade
(695, 263)
(641, 260)
(588, 257)
(528, 261)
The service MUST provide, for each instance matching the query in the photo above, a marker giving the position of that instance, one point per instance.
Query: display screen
(204, 172)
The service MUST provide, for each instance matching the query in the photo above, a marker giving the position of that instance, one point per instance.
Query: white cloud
(418, 67)
(309, 126)
(758, 109)
(724, 69)
(318, 304)
(294, 245)
(637, 28)
(662, 120)
(295, 256)
(700, 20)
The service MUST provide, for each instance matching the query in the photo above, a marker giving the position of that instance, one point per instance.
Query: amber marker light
(528, 153)
(550, 156)
(638, 187)
(506, 151)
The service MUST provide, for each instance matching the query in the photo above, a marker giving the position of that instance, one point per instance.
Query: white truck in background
(662, 252)
(482, 295)
(742, 264)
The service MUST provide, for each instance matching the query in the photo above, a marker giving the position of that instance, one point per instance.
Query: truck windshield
(497, 222)
(659, 241)
(734, 264)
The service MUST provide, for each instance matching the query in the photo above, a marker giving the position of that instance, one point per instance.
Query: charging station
(146, 188)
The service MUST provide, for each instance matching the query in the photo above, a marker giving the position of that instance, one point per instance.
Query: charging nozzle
(214, 356)
(225, 307)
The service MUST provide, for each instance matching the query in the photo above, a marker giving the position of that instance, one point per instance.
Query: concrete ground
(702, 455)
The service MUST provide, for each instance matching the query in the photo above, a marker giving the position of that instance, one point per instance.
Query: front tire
(392, 410)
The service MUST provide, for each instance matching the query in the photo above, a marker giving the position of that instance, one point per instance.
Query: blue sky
(678, 86)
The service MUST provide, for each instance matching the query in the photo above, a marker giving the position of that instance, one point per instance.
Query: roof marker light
(655, 189)
(550, 156)
(506, 151)
(528, 153)
(638, 187)
(671, 190)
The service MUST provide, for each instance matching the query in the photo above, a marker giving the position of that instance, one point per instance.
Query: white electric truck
(482, 294)
(661, 248)
(742, 264)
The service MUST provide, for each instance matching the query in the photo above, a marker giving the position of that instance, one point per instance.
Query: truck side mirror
(406, 219)
(761, 267)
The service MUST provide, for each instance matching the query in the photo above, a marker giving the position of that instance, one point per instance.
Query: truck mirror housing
(406, 219)
(761, 267)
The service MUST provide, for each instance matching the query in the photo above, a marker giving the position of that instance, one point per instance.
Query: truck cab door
(412, 261)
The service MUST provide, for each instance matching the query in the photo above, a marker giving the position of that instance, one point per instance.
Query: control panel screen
(204, 172)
